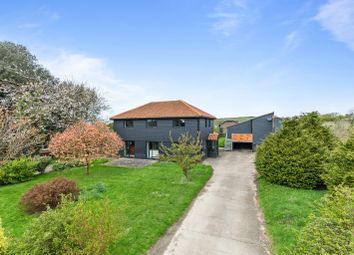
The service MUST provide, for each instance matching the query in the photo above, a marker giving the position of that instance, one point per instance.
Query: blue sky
(228, 57)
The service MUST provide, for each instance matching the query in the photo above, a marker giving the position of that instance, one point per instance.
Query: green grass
(151, 199)
(286, 211)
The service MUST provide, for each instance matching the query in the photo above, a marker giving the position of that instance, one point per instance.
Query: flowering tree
(85, 142)
(17, 135)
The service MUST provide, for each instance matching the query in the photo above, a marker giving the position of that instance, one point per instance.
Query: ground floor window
(130, 148)
(153, 149)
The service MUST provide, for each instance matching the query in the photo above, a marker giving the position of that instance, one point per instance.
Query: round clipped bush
(340, 168)
(295, 155)
(330, 229)
(49, 194)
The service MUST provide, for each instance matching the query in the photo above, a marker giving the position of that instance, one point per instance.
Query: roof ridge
(191, 107)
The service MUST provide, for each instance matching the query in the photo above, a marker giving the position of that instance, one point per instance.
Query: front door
(130, 148)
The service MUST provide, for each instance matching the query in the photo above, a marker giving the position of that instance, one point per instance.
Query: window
(151, 123)
(209, 123)
(179, 123)
(212, 123)
(206, 123)
(128, 123)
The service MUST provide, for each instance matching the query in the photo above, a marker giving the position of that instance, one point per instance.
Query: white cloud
(337, 16)
(292, 40)
(228, 15)
(95, 73)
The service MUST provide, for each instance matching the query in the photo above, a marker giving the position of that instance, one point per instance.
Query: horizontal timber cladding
(141, 133)
(163, 130)
(254, 130)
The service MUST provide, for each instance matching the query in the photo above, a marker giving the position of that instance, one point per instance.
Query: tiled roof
(213, 136)
(164, 109)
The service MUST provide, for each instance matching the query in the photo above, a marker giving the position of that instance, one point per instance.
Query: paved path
(224, 219)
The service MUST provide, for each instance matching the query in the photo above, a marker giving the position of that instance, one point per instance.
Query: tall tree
(51, 105)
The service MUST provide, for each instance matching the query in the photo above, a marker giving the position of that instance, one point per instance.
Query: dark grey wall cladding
(140, 133)
(242, 128)
(161, 132)
(262, 127)
(140, 149)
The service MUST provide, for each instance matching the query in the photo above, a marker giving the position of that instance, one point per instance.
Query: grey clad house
(144, 128)
(250, 133)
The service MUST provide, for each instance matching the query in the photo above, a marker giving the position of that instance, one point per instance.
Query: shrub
(3, 240)
(18, 170)
(296, 154)
(48, 194)
(93, 192)
(42, 163)
(60, 166)
(340, 168)
(330, 231)
(72, 228)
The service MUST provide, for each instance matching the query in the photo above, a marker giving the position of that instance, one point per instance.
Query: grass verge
(285, 211)
(151, 200)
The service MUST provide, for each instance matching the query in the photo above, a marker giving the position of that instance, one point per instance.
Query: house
(225, 124)
(250, 133)
(144, 128)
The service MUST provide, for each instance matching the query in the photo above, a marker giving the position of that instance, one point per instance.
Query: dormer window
(179, 123)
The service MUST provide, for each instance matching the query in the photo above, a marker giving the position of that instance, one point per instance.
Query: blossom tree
(85, 142)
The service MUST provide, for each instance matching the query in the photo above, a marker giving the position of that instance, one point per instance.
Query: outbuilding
(250, 133)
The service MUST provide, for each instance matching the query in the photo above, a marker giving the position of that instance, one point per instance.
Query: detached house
(144, 128)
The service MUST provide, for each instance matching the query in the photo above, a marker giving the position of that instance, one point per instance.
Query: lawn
(286, 211)
(151, 199)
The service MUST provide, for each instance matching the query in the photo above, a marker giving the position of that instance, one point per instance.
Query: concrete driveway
(224, 218)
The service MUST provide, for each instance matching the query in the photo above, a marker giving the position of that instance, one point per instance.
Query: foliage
(93, 192)
(186, 152)
(30, 90)
(60, 166)
(330, 230)
(49, 194)
(17, 136)
(340, 168)
(221, 141)
(42, 163)
(296, 154)
(286, 211)
(18, 170)
(85, 142)
(151, 200)
(72, 229)
(4, 242)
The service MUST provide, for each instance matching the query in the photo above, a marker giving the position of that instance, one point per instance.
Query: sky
(227, 57)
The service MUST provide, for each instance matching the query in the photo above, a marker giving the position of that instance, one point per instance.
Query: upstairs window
(151, 123)
(179, 123)
(128, 123)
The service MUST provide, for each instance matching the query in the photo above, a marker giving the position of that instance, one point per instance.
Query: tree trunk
(185, 172)
(87, 166)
